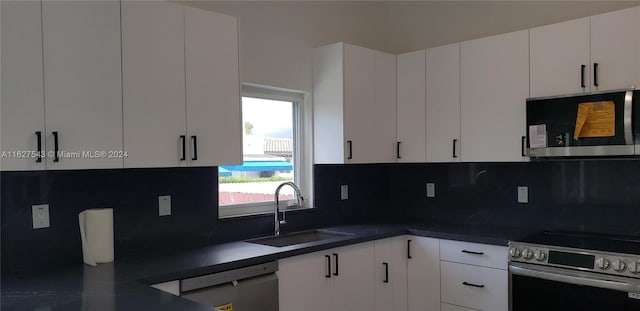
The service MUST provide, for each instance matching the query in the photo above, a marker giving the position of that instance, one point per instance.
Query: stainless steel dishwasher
(253, 288)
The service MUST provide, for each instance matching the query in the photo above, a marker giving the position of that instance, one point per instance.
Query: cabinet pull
(386, 272)
(409, 249)
(195, 148)
(335, 256)
(350, 143)
(524, 142)
(473, 285)
(472, 252)
(454, 148)
(398, 150)
(595, 74)
(582, 68)
(328, 261)
(184, 147)
(55, 147)
(39, 137)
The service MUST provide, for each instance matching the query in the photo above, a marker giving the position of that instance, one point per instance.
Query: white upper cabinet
(615, 42)
(213, 88)
(494, 86)
(359, 104)
(82, 82)
(596, 53)
(153, 83)
(560, 62)
(411, 107)
(383, 125)
(22, 85)
(354, 105)
(181, 86)
(443, 104)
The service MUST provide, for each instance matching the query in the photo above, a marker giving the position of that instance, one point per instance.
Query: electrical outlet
(164, 205)
(40, 214)
(523, 194)
(431, 190)
(344, 192)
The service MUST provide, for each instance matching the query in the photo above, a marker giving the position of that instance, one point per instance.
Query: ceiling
(401, 26)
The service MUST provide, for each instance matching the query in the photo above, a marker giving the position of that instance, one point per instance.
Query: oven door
(533, 287)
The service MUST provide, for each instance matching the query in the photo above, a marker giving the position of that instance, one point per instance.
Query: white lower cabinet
(304, 282)
(397, 274)
(391, 274)
(423, 277)
(474, 276)
(336, 279)
(448, 307)
(474, 287)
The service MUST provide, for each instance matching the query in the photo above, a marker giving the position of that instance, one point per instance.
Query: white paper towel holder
(96, 227)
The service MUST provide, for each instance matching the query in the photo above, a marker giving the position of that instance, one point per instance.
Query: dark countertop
(123, 285)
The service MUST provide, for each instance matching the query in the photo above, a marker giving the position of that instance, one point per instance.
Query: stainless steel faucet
(299, 198)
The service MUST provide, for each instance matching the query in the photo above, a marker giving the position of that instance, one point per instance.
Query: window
(273, 153)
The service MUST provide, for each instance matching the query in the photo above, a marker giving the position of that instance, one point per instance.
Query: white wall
(276, 36)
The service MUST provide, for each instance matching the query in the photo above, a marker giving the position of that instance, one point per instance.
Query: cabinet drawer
(448, 307)
(492, 256)
(474, 287)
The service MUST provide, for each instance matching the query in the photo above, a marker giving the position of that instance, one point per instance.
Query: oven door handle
(575, 277)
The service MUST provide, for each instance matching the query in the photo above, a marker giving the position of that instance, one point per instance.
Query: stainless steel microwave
(584, 125)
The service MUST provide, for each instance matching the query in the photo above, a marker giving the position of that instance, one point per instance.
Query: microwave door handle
(628, 106)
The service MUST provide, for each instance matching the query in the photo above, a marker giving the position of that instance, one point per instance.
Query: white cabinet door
(475, 287)
(353, 273)
(329, 145)
(424, 274)
(153, 83)
(304, 282)
(410, 118)
(354, 94)
(359, 102)
(494, 87)
(391, 274)
(382, 135)
(213, 88)
(558, 54)
(22, 85)
(82, 81)
(615, 42)
(443, 103)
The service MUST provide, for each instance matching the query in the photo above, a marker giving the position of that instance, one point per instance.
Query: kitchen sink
(298, 238)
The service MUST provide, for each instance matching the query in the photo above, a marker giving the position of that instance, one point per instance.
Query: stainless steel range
(574, 271)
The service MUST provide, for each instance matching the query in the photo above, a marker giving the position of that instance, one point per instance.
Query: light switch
(344, 192)
(40, 214)
(523, 194)
(431, 190)
(164, 205)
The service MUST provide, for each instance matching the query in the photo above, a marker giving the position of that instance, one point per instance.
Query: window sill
(233, 213)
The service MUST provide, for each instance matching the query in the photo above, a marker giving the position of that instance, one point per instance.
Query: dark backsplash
(585, 195)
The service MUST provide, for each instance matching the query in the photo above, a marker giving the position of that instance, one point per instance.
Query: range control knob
(539, 255)
(634, 267)
(527, 253)
(619, 265)
(603, 263)
(514, 252)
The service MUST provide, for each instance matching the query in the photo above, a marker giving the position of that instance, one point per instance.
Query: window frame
(302, 154)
